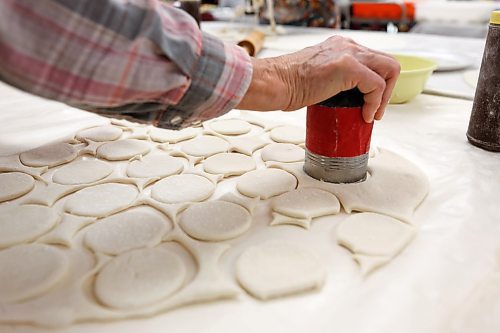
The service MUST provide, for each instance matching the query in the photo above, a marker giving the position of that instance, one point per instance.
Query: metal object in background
(338, 139)
(484, 124)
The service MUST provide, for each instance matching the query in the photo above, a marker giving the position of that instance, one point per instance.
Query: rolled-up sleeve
(138, 57)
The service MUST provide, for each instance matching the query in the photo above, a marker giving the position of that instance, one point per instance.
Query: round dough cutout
(204, 146)
(101, 200)
(19, 224)
(122, 149)
(82, 172)
(15, 185)
(155, 166)
(182, 188)
(215, 221)
(230, 126)
(306, 203)
(229, 164)
(100, 133)
(265, 183)
(276, 269)
(30, 270)
(288, 134)
(49, 155)
(139, 278)
(282, 152)
(173, 136)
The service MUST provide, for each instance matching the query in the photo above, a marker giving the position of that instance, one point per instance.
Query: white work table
(427, 288)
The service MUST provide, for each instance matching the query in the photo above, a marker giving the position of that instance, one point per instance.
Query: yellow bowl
(414, 74)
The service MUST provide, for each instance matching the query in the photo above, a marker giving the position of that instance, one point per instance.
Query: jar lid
(495, 17)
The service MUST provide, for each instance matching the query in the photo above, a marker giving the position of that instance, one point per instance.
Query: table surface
(423, 290)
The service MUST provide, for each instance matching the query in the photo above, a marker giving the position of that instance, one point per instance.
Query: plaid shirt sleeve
(118, 57)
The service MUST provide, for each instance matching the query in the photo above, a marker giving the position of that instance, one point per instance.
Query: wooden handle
(253, 42)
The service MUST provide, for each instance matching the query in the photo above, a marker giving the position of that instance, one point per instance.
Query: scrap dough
(122, 149)
(25, 223)
(230, 126)
(282, 152)
(155, 166)
(276, 269)
(306, 203)
(229, 164)
(126, 231)
(82, 172)
(30, 270)
(215, 220)
(101, 200)
(183, 188)
(15, 185)
(49, 155)
(205, 146)
(139, 278)
(172, 136)
(265, 183)
(289, 134)
(100, 133)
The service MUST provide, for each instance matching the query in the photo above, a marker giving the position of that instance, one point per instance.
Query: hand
(316, 73)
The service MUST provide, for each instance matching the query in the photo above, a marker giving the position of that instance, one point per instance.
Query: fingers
(373, 86)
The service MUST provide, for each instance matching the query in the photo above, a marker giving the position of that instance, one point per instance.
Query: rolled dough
(173, 136)
(126, 231)
(100, 133)
(265, 183)
(229, 164)
(230, 126)
(82, 172)
(215, 220)
(276, 269)
(282, 152)
(122, 149)
(15, 185)
(30, 270)
(49, 155)
(139, 278)
(183, 188)
(205, 146)
(155, 166)
(288, 134)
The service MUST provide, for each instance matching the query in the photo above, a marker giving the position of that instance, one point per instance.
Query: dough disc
(155, 166)
(172, 136)
(230, 126)
(14, 185)
(50, 155)
(126, 231)
(275, 269)
(183, 188)
(204, 146)
(282, 152)
(306, 203)
(101, 200)
(29, 270)
(265, 183)
(82, 172)
(289, 134)
(122, 149)
(100, 133)
(229, 164)
(25, 223)
(374, 234)
(139, 278)
(215, 220)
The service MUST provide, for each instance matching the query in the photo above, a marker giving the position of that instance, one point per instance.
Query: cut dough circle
(205, 146)
(155, 166)
(15, 185)
(126, 231)
(100, 133)
(215, 221)
(172, 136)
(230, 126)
(25, 223)
(30, 270)
(139, 278)
(282, 152)
(265, 183)
(306, 203)
(122, 149)
(275, 269)
(229, 164)
(82, 172)
(183, 188)
(101, 200)
(374, 234)
(288, 134)
(49, 156)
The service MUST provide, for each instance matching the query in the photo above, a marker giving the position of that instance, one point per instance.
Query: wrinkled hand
(316, 73)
